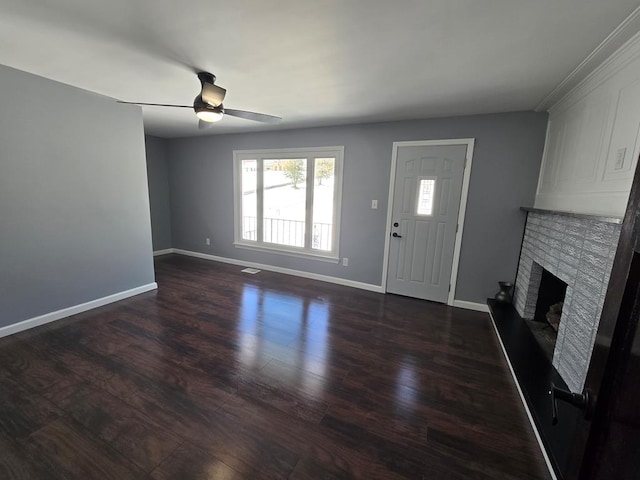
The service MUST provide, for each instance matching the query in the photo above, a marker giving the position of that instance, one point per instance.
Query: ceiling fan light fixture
(208, 104)
(209, 114)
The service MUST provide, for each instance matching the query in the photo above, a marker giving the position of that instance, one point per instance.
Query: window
(426, 191)
(288, 200)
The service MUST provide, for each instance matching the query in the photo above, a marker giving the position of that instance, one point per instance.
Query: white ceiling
(312, 62)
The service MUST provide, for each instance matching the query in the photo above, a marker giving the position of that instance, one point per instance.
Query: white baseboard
(298, 273)
(524, 402)
(67, 312)
(478, 307)
(166, 251)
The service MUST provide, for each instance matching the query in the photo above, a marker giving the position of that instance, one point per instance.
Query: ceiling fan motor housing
(200, 104)
(206, 77)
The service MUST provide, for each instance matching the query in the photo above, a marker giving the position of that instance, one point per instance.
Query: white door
(424, 216)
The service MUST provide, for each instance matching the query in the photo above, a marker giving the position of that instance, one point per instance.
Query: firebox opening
(546, 320)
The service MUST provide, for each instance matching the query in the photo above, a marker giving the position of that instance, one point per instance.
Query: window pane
(249, 199)
(425, 196)
(323, 193)
(275, 191)
(284, 201)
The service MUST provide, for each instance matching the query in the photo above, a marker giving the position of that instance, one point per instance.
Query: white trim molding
(288, 271)
(621, 58)
(606, 204)
(166, 251)
(307, 256)
(478, 307)
(470, 143)
(74, 310)
(596, 60)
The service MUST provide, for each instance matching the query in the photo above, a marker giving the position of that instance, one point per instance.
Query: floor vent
(252, 271)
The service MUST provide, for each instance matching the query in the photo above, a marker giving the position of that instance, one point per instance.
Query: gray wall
(74, 207)
(159, 197)
(504, 176)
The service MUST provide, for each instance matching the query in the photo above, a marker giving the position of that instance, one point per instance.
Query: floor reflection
(288, 329)
(407, 387)
(247, 334)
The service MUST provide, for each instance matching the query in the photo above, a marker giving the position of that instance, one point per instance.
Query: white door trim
(470, 143)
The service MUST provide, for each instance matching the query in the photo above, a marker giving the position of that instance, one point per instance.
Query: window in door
(424, 199)
(289, 200)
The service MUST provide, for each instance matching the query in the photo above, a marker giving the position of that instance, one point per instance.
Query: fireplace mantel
(584, 216)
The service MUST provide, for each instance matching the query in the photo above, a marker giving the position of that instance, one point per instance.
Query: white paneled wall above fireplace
(593, 139)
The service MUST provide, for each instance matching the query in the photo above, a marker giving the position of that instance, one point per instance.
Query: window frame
(311, 154)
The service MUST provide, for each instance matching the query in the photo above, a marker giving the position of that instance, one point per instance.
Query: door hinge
(449, 287)
(457, 227)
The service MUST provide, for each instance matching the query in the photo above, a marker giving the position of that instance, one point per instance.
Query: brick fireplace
(579, 250)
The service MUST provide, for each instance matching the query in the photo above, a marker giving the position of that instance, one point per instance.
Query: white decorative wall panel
(593, 140)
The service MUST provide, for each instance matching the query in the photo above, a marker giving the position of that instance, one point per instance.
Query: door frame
(470, 143)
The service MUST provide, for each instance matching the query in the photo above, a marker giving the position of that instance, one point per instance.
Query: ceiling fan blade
(203, 125)
(156, 104)
(213, 94)
(256, 117)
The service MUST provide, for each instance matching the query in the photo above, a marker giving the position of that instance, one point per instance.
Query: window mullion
(308, 233)
(259, 200)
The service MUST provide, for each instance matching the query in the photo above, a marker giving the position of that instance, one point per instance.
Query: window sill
(305, 255)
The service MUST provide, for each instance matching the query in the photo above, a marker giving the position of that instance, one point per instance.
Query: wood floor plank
(16, 465)
(172, 403)
(130, 432)
(192, 463)
(224, 375)
(309, 469)
(68, 451)
(32, 366)
(22, 411)
(246, 450)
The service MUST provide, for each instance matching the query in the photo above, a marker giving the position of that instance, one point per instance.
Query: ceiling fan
(208, 104)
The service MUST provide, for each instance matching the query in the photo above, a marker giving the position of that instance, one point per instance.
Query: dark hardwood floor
(224, 375)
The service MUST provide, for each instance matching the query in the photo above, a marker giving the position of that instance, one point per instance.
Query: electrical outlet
(374, 204)
(345, 262)
(207, 241)
(620, 158)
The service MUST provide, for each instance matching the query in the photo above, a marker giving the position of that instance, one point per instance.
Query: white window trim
(336, 152)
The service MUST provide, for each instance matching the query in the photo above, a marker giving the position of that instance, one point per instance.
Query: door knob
(395, 235)
(579, 400)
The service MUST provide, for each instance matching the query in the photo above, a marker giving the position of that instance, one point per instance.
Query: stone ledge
(585, 216)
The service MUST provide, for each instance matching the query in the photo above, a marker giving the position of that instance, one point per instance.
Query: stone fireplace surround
(578, 249)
